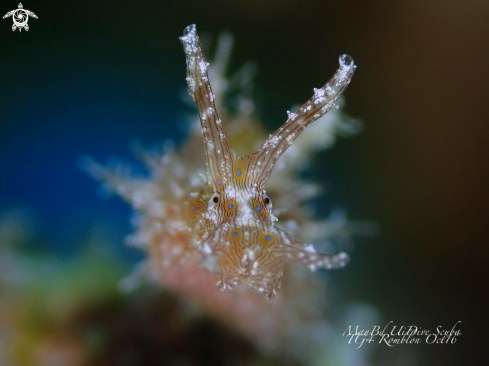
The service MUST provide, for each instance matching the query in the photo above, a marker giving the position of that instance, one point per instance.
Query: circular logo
(20, 18)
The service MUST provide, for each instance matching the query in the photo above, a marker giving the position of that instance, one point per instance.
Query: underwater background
(88, 78)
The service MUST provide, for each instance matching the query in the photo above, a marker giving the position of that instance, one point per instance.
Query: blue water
(60, 100)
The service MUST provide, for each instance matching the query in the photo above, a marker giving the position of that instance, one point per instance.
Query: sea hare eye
(216, 199)
(267, 200)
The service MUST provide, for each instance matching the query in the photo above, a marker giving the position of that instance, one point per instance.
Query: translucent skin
(237, 238)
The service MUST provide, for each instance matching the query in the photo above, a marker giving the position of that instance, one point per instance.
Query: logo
(20, 17)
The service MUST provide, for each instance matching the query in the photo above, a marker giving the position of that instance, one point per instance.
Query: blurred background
(89, 77)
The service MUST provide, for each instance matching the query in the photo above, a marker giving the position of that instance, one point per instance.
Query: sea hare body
(207, 220)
